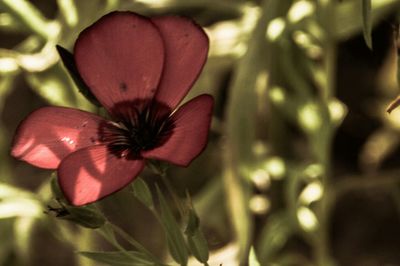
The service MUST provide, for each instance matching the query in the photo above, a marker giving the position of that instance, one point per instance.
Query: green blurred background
(303, 162)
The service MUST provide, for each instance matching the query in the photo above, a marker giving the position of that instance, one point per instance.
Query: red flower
(139, 69)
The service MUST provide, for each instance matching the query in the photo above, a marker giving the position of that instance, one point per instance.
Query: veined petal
(94, 172)
(189, 134)
(49, 134)
(120, 58)
(186, 48)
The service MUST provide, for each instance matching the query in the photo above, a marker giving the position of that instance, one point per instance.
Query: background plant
(302, 163)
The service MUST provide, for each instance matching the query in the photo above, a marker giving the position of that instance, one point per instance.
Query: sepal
(69, 63)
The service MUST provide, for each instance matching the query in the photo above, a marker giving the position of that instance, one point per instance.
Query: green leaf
(175, 240)
(192, 224)
(367, 22)
(253, 261)
(108, 233)
(196, 241)
(348, 21)
(119, 258)
(69, 63)
(241, 127)
(198, 246)
(86, 216)
(274, 236)
(142, 192)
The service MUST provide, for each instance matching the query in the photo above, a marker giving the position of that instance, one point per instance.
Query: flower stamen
(140, 129)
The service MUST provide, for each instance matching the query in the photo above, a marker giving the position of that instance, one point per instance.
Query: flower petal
(186, 48)
(120, 58)
(94, 172)
(49, 134)
(189, 135)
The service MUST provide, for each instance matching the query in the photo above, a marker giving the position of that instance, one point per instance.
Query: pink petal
(186, 48)
(49, 134)
(189, 136)
(120, 58)
(94, 172)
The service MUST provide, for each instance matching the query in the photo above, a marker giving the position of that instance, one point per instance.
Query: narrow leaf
(348, 22)
(196, 241)
(142, 192)
(86, 216)
(253, 261)
(107, 231)
(367, 22)
(242, 125)
(69, 63)
(193, 223)
(274, 236)
(175, 239)
(198, 246)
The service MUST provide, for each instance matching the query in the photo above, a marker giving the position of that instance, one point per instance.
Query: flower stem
(114, 243)
(132, 241)
(173, 194)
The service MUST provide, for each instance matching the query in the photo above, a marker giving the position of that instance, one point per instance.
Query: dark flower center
(140, 126)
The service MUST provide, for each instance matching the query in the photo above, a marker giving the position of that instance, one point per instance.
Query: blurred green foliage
(302, 166)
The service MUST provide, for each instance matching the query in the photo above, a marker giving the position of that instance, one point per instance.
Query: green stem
(131, 241)
(321, 244)
(115, 244)
(69, 11)
(173, 194)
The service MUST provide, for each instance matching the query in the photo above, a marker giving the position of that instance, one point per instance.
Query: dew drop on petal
(68, 140)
